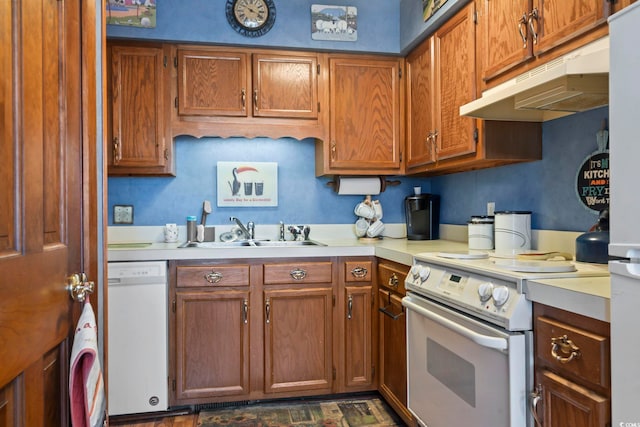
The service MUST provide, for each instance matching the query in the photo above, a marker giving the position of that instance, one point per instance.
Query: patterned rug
(325, 413)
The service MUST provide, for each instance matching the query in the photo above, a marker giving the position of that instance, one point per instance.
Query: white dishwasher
(137, 337)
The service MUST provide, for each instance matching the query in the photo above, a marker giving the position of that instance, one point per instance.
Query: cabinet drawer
(297, 272)
(357, 271)
(392, 276)
(213, 275)
(590, 360)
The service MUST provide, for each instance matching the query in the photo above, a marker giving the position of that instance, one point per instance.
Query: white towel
(86, 386)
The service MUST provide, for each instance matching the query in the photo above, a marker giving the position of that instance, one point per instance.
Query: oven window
(457, 374)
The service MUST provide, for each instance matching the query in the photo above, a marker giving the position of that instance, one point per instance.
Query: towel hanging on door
(86, 386)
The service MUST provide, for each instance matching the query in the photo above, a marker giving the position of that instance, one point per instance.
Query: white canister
(480, 232)
(512, 232)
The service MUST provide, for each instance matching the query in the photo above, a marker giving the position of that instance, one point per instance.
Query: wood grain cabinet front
(240, 92)
(138, 126)
(365, 123)
(572, 369)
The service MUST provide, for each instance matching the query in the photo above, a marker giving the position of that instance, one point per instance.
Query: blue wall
(546, 187)
(205, 21)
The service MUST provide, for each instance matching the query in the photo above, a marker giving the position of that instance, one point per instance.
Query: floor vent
(205, 406)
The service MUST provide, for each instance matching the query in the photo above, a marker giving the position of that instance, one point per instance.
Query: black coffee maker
(422, 213)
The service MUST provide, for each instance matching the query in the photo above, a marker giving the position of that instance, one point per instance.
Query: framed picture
(429, 7)
(132, 13)
(247, 184)
(335, 23)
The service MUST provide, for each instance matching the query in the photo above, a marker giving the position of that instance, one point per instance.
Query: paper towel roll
(363, 186)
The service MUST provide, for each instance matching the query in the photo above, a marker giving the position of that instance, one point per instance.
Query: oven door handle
(496, 343)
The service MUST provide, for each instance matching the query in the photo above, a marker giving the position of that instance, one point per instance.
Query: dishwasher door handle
(496, 343)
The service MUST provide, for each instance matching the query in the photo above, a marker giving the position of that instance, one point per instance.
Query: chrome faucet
(248, 231)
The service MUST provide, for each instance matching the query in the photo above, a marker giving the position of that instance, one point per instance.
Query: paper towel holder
(384, 183)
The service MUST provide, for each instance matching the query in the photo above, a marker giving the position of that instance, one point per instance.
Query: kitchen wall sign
(247, 184)
(336, 23)
(592, 179)
(132, 13)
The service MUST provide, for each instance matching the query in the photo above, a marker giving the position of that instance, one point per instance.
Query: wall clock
(251, 18)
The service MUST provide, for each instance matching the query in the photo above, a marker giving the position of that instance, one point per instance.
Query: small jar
(481, 232)
(191, 228)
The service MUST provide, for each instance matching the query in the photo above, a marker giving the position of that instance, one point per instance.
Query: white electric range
(469, 336)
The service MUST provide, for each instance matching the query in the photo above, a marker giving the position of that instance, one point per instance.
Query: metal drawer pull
(267, 310)
(566, 346)
(536, 396)
(533, 15)
(245, 311)
(359, 272)
(213, 277)
(350, 307)
(522, 29)
(298, 274)
(388, 312)
(393, 281)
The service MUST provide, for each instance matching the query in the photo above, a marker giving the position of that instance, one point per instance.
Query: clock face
(251, 18)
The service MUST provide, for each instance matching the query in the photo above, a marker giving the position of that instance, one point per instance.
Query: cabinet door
(455, 85)
(506, 41)
(139, 114)
(212, 83)
(569, 404)
(421, 148)
(285, 86)
(212, 344)
(298, 339)
(365, 115)
(557, 22)
(358, 336)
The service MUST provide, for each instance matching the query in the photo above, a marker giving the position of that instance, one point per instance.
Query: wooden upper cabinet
(241, 92)
(519, 35)
(441, 77)
(506, 42)
(365, 117)
(557, 22)
(139, 133)
(285, 86)
(213, 83)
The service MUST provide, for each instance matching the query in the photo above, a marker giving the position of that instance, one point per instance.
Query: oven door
(463, 372)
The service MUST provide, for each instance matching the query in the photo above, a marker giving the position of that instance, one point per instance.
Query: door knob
(79, 286)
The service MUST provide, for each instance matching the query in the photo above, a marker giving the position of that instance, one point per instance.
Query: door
(43, 128)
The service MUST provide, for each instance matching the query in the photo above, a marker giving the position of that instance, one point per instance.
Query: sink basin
(252, 244)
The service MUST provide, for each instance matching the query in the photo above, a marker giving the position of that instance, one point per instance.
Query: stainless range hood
(578, 81)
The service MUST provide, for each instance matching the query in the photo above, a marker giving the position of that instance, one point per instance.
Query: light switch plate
(123, 214)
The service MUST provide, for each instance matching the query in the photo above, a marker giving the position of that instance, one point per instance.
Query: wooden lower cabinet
(572, 369)
(264, 328)
(392, 337)
(298, 339)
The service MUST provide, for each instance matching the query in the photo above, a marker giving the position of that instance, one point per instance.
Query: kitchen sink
(252, 243)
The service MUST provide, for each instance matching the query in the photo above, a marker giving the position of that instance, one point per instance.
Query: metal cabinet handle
(213, 277)
(350, 307)
(388, 312)
(298, 274)
(255, 99)
(522, 29)
(566, 346)
(359, 272)
(393, 281)
(267, 310)
(243, 97)
(333, 150)
(535, 397)
(116, 151)
(534, 34)
(245, 311)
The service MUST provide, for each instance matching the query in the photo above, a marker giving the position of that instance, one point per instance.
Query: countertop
(586, 296)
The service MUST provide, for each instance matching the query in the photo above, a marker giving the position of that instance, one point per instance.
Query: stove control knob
(415, 271)
(424, 273)
(500, 295)
(485, 291)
